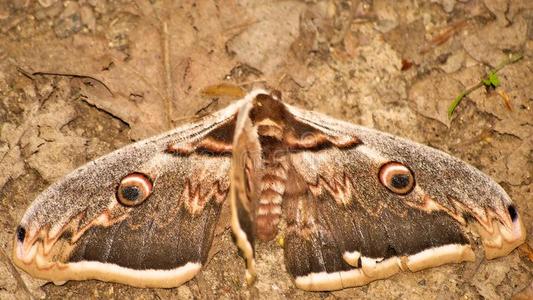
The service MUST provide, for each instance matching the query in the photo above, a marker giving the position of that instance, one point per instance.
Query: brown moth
(353, 204)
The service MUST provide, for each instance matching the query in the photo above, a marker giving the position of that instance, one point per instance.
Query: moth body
(272, 189)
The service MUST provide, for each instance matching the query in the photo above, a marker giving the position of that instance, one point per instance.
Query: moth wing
(78, 229)
(346, 228)
(246, 159)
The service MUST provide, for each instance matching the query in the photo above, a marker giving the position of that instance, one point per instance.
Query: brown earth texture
(79, 79)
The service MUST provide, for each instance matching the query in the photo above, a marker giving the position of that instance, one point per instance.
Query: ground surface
(111, 72)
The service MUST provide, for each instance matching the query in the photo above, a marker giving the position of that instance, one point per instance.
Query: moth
(351, 204)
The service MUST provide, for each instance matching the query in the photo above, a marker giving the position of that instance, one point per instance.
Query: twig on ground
(491, 79)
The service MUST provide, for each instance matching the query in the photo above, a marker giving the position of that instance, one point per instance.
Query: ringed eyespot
(397, 178)
(134, 189)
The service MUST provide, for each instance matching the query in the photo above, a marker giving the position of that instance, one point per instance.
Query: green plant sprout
(490, 80)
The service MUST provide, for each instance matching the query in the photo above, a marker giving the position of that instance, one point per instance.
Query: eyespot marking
(134, 189)
(397, 178)
(400, 181)
(131, 193)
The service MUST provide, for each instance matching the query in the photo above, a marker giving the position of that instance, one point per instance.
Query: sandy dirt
(79, 79)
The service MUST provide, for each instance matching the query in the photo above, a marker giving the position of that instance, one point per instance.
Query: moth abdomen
(268, 207)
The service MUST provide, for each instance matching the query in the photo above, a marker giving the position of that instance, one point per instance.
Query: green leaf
(492, 80)
(454, 104)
